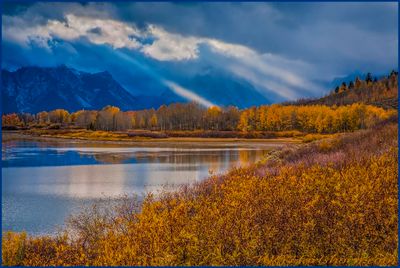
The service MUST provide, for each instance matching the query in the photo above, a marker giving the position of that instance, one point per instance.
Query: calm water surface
(43, 183)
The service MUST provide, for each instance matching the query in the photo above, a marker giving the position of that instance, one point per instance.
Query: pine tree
(343, 87)
(368, 79)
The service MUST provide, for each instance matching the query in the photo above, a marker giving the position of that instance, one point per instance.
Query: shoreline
(9, 136)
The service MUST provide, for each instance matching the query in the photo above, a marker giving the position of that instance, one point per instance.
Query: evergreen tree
(368, 79)
(343, 87)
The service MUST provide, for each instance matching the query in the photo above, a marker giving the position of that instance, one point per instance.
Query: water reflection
(43, 183)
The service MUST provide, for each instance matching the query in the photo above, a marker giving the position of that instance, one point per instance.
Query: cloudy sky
(285, 50)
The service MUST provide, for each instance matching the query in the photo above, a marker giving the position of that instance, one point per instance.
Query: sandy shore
(9, 136)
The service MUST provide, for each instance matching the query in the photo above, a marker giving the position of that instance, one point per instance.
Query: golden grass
(98, 135)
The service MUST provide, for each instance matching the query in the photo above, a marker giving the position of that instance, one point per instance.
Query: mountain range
(35, 89)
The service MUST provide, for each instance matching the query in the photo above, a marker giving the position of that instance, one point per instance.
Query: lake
(44, 182)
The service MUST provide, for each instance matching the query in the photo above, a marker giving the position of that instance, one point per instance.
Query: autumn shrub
(13, 253)
(54, 126)
(9, 128)
(235, 134)
(330, 202)
(38, 126)
(147, 134)
(313, 137)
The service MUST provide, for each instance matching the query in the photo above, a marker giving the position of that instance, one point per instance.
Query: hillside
(224, 89)
(379, 92)
(34, 89)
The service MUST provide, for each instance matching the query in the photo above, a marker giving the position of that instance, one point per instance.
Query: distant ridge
(34, 89)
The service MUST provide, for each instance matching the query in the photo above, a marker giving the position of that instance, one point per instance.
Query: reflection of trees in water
(248, 157)
(111, 158)
(244, 157)
(214, 158)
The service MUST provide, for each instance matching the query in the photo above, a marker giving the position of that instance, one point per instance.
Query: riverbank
(123, 139)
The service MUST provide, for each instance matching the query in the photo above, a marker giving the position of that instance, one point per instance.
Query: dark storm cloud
(339, 36)
(307, 42)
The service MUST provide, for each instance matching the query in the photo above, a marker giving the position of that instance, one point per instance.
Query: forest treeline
(191, 116)
(343, 110)
(380, 92)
